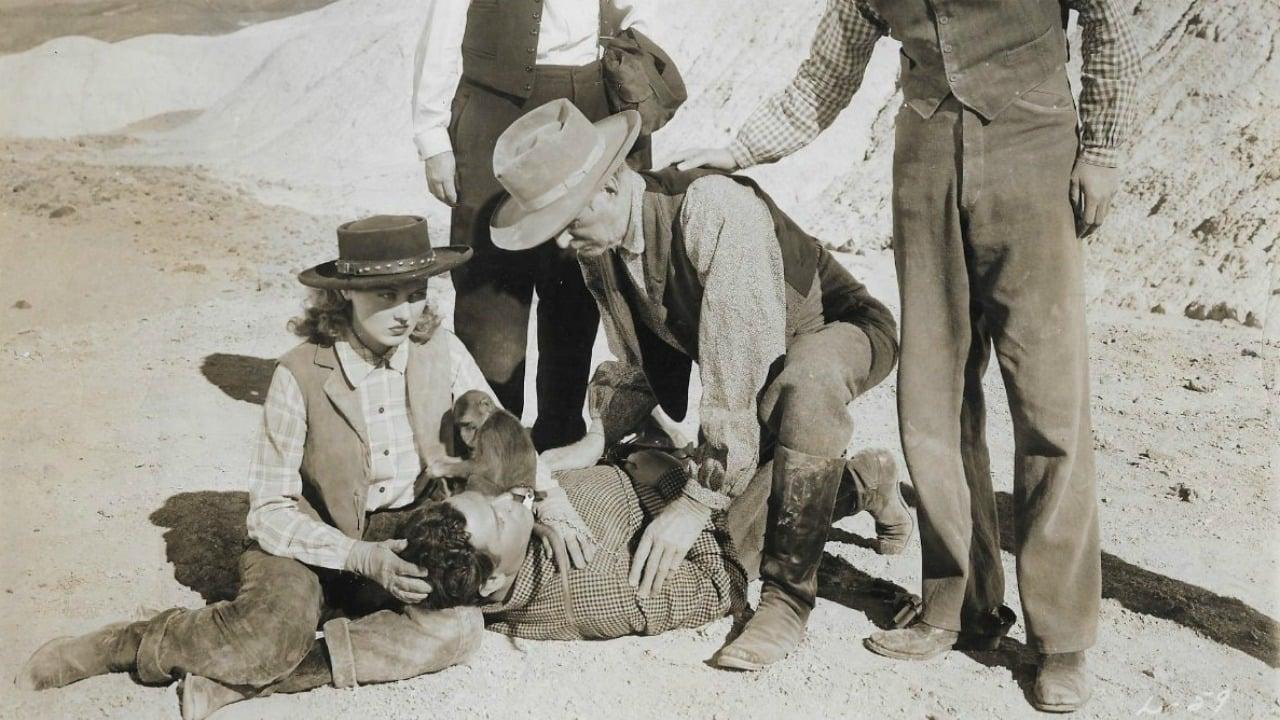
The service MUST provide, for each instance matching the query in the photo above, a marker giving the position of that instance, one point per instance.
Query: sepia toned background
(166, 167)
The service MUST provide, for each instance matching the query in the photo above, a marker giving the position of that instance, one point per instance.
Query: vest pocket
(1051, 96)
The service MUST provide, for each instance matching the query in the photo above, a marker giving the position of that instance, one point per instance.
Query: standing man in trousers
(989, 165)
(496, 61)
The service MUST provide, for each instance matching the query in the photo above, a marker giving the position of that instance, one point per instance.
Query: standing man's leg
(1030, 263)
(494, 290)
(945, 349)
(254, 639)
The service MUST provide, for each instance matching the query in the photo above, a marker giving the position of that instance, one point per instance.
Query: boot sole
(735, 663)
(1059, 709)
(879, 649)
(964, 642)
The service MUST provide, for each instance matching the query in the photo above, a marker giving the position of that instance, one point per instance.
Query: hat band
(563, 187)
(384, 267)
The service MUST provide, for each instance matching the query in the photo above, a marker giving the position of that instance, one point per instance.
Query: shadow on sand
(204, 537)
(239, 376)
(1224, 620)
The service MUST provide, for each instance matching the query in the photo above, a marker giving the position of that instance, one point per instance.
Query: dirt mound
(28, 23)
(77, 85)
(324, 123)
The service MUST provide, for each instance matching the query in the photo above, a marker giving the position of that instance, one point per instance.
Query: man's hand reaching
(379, 562)
(571, 533)
(717, 158)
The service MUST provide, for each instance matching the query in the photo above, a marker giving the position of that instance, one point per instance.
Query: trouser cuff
(151, 667)
(1075, 642)
(342, 661)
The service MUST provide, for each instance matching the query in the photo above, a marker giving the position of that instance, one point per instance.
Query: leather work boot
(1062, 685)
(916, 641)
(874, 479)
(202, 697)
(802, 498)
(920, 641)
(64, 660)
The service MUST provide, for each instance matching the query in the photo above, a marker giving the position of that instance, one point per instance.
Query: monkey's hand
(445, 467)
(555, 511)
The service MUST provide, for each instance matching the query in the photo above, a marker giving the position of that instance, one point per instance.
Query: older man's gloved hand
(554, 511)
(379, 562)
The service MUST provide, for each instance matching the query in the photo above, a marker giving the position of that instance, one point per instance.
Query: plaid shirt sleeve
(275, 485)
(1109, 81)
(827, 79)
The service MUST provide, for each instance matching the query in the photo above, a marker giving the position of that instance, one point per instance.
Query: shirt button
(534, 31)
(944, 19)
(381, 410)
(537, 16)
(386, 452)
(528, 68)
(382, 489)
(531, 50)
(946, 48)
(954, 78)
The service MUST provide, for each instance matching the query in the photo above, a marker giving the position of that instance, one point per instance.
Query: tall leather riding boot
(803, 496)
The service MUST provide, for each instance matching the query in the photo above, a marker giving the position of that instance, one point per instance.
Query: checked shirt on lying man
(521, 592)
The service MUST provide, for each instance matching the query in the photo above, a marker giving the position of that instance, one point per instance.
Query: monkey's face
(471, 411)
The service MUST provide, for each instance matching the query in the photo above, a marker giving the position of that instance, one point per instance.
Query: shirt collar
(633, 241)
(358, 361)
(526, 581)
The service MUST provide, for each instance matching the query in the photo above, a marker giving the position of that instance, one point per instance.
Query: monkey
(499, 452)
(470, 411)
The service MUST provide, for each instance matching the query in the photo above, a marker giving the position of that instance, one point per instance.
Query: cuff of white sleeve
(710, 498)
(542, 479)
(342, 660)
(432, 142)
(742, 156)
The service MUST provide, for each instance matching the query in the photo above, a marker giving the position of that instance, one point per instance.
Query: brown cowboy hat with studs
(384, 251)
(551, 161)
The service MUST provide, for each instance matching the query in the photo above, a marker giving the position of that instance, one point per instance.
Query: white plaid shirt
(275, 484)
(848, 32)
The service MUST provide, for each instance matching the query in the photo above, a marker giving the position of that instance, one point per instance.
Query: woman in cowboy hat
(353, 415)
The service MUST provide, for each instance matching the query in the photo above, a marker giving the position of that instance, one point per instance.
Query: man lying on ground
(485, 551)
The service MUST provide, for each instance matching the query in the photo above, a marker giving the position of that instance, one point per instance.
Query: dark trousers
(495, 290)
(987, 255)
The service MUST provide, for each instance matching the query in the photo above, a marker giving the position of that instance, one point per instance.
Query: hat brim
(514, 228)
(326, 275)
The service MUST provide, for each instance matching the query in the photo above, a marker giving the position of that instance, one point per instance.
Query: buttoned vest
(984, 52)
(500, 44)
(336, 467)
(672, 276)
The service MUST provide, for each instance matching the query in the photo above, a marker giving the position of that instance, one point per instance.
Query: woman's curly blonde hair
(326, 317)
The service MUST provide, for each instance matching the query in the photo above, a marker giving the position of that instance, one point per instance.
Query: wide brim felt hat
(517, 223)
(384, 251)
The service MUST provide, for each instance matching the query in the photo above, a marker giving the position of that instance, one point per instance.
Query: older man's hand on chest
(665, 543)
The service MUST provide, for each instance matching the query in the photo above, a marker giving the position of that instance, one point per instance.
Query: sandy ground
(139, 307)
(28, 23)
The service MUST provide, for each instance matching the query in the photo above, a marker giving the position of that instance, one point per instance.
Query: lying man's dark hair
(438, 541)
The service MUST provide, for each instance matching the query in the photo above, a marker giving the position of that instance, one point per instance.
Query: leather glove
(379, 562)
